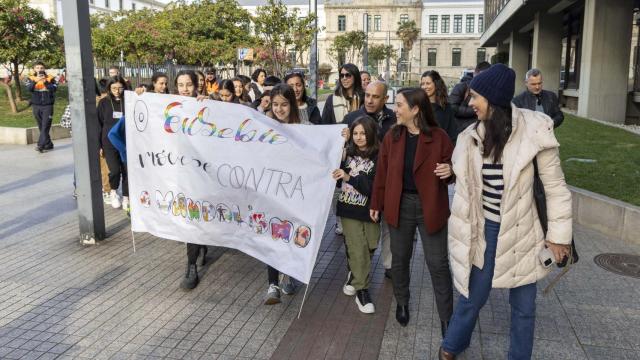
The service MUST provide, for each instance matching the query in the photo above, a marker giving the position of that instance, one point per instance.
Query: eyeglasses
(345, 75)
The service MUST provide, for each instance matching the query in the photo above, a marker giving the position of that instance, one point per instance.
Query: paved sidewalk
(59, 299)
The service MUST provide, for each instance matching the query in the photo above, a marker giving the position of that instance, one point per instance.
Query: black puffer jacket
(459, 101)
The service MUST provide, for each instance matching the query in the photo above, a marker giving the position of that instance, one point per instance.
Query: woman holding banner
(284, 109)
(410, 189)
(185, 84)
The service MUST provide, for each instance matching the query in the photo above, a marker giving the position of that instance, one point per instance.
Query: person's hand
(345, 134)
(340, 174)
(201, 97)
(443, 171)
(140, 90)
(374, 215)
(559, 251)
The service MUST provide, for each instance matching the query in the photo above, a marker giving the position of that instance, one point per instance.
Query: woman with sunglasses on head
(309, 112)
(347, 97)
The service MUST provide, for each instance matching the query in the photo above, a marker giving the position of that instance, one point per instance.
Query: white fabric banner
(222, 174)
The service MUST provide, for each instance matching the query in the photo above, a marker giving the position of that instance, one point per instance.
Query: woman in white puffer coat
(495, 235)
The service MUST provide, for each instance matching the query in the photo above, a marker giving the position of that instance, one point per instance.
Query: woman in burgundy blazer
(410, 189)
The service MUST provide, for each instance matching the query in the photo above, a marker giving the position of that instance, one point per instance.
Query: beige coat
(520, 238)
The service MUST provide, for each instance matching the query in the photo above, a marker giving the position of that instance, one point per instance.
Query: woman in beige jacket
(495, 235)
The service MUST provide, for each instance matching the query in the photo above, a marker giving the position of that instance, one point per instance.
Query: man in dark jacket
(375, 98)
(537, 99)
(43, 95)
(459, 99)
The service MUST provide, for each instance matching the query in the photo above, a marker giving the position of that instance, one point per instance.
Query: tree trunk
(12, 103)
(16, 78)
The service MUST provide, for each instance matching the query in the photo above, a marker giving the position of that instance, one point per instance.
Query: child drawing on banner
(284, 109)
(257, 221)
(361, 234)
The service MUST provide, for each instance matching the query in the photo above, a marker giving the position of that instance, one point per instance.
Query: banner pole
(304, 297)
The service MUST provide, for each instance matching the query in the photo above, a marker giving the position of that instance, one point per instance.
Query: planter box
(26, 136)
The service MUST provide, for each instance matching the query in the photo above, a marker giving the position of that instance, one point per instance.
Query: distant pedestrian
(43, 96)
(365, 76)
(211, 82)
(460, 97)
(435, 88)
(537, 99)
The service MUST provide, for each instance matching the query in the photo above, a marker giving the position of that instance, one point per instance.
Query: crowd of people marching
(398, 167)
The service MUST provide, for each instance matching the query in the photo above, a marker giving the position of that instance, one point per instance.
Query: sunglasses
(345, 75)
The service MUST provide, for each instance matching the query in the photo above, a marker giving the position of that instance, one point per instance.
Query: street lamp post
(365, 52)
(313, 61)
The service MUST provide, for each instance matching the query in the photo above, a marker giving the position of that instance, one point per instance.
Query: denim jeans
(522, 300)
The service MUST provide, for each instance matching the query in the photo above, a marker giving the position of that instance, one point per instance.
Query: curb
(26, 136)
(608, 216)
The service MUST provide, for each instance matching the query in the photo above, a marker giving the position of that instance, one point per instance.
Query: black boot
(402, 314)
(444, 325)
(190, 280)
(204, 249)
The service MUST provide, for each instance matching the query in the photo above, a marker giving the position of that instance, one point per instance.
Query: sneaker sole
(363, 309)
(272, 301)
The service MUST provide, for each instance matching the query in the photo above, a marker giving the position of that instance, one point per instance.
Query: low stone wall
(26, 136)
(611, 217)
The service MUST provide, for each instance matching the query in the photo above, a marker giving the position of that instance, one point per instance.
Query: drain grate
(621, 264)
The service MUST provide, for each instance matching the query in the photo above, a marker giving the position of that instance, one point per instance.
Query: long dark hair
(357, 83)
(114, 80)
(229, 86)
(301, 77)
(442, 98)
(498, 129)
(154, 79)
(370, 131)
(244, 97)
(194, 80)
(425, 119)
(287, 92)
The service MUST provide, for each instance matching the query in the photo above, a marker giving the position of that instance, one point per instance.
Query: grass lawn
(24, 118)
(616, 172)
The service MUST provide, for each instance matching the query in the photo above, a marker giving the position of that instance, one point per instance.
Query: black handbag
(541, 206)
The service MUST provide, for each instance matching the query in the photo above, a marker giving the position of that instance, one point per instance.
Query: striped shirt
(492, 189)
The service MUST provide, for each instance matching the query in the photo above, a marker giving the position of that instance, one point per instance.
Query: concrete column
(547, 49)
(604, 69)
(519, 57)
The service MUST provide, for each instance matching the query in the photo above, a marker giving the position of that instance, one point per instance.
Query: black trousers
(44, 117)
(273, 274)
(435, 254)
(193, 250)
(117, 169)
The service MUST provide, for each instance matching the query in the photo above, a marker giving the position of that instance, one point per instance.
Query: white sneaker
(348, 289)
(363, 300)
(106, 198)
(273, 295)
(125, 203)
(115, 200)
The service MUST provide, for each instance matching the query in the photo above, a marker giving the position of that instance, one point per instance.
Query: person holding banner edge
(360, 233)
(410, 189)
(284, 109)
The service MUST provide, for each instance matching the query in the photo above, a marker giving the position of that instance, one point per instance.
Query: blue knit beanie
(497, 84)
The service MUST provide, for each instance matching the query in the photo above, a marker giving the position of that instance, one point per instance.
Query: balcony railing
(491, 10)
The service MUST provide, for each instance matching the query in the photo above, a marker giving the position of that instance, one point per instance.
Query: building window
(445, 24)
(571, 48)
(456, 55)
(368, 23)
(433, 24)
(480, 23)
(342, 23)
(377, 23)
(481, 55)
(404, 18)
(457, 24)
(431, 57)
(470, 23)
